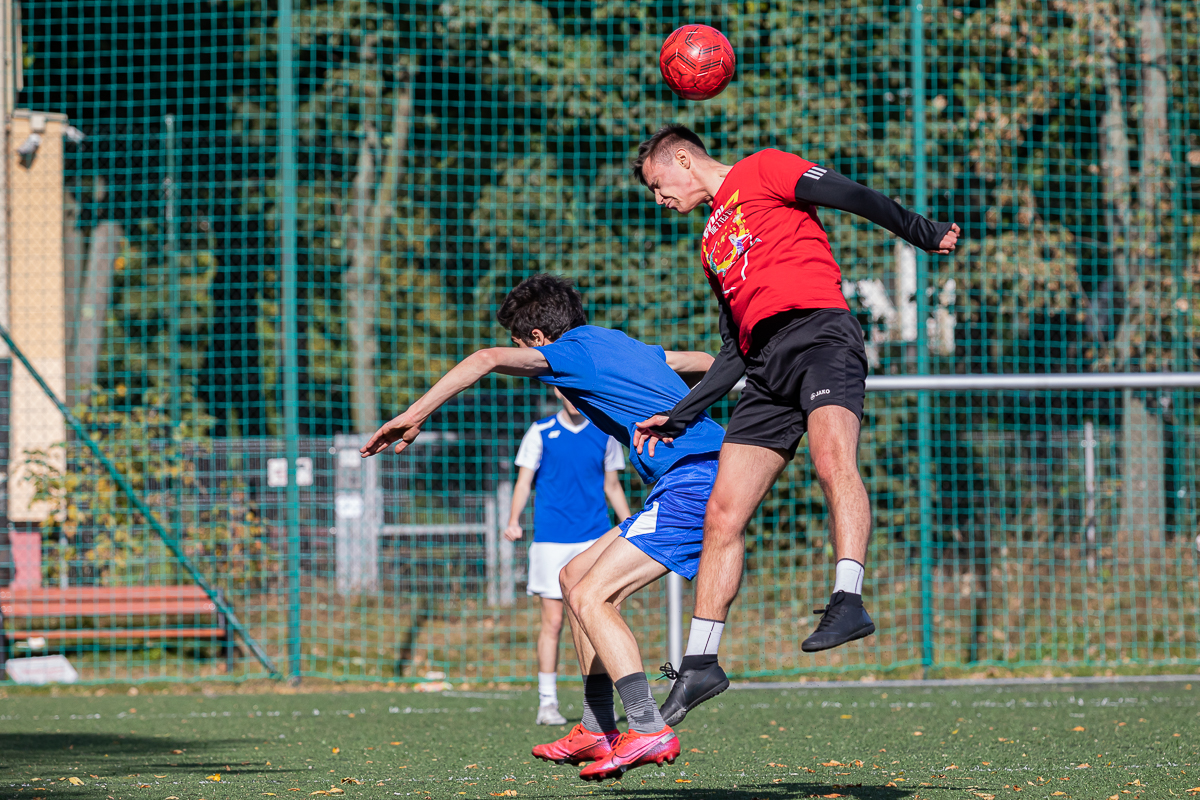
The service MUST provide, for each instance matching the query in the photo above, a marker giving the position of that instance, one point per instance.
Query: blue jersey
(569, 463)
(616, 382)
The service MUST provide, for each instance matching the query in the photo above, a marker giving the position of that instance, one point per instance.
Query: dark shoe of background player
(699, 678)
(843, 620)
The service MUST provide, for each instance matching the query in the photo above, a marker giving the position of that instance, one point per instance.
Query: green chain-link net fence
(444, 151)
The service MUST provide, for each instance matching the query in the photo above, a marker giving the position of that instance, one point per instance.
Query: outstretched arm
(833, 190)
(403, 429)
(689, 362)
(726, 370)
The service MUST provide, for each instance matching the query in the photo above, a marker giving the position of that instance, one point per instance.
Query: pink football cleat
(578, 746)
(634, 750)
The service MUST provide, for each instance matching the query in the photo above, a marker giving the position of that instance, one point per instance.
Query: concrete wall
(35, 301)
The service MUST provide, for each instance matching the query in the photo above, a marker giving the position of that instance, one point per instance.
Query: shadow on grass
(93, 751)
(794, 790)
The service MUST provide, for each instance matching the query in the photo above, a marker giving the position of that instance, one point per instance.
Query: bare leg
(547, 642)
(744, 476)
(833, 446)
(568, 579)
(620, 571)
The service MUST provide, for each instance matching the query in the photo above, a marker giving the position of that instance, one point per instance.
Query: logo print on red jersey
(726, 240)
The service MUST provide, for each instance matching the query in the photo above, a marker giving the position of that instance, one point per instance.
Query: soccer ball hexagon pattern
(697, 62)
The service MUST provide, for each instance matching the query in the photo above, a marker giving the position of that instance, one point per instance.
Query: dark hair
(660, 146)
(544, 302)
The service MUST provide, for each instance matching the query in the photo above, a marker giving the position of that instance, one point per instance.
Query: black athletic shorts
(799, 361)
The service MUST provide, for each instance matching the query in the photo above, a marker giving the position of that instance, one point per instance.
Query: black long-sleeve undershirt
(834, 190)
(726, 370)
(818, 187)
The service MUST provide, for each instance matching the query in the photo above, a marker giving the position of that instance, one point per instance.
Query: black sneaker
(843, 620)
(692, 687)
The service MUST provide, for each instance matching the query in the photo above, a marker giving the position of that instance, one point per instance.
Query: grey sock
(599, 715)
(640, 708)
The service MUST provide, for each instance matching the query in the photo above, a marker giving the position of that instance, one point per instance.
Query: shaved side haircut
(663, 144)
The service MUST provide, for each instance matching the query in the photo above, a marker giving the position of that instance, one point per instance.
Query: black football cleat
(843, 620)
(692, 687)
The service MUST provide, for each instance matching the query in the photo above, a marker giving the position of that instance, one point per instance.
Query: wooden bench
(113, 611)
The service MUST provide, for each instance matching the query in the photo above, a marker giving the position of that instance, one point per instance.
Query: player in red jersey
(786, 326)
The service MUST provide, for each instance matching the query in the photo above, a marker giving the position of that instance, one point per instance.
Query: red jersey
(762, 250)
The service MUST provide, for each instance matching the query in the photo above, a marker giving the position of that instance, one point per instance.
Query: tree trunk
(1144, 515)
(366, 237)
(84, 353)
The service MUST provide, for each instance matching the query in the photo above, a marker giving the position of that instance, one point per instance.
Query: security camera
(74, 135)
(28, 149)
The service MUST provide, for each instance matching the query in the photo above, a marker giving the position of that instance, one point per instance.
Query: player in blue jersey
(616, 382)
(574, 466)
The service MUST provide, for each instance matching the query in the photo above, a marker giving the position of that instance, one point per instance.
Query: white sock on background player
(548, 688)
(849, 576)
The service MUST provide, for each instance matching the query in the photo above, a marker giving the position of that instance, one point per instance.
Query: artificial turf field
(1124, 740)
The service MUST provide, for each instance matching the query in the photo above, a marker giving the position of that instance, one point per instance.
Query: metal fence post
(491, 533)
(291, 391)
(674, 619)
(924, 414)
(507, 551)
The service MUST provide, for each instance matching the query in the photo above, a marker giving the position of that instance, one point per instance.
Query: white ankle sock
(704, 637)
(548, 688)
(849, 576)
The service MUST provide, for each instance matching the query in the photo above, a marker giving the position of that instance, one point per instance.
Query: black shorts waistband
(766, 329)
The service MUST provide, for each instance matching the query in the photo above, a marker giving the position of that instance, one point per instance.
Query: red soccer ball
(697, 62)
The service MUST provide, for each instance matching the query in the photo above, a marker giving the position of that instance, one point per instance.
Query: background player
(615, 381)
(573, 466)
(784, 324)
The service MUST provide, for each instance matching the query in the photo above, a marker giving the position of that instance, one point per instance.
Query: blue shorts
(670, 527)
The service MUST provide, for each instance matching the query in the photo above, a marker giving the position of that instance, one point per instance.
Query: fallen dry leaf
(831, 795)
(505, 793)
(319, 792)
(832, 764)
(985, 796)
(1057, 794)
(355, 781)
(216, 776)
(918, 733)
(143, 786)
(1079, 728)
(75, 781)
(681, 780)
(268, 794)
(1084, 766)
(694, 750)
(337, 750)
(335, 790)
(395, 743)
(177, 752)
